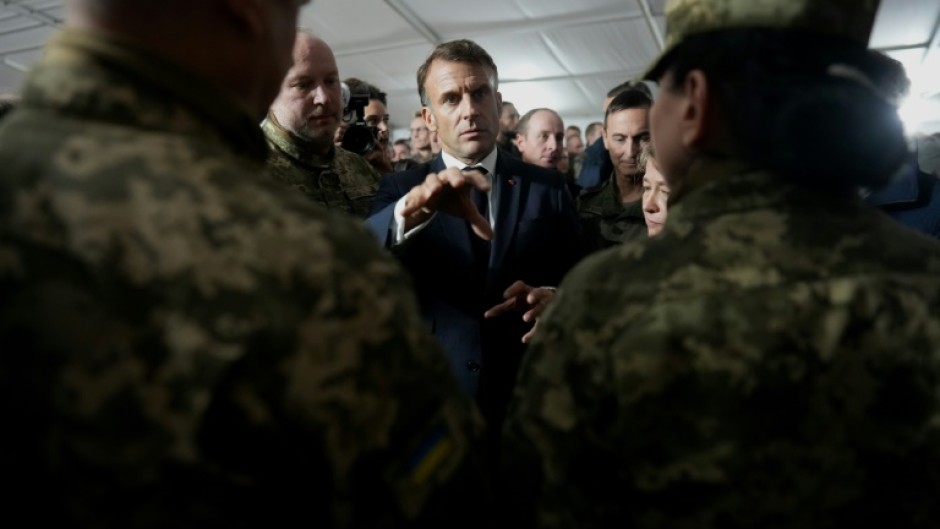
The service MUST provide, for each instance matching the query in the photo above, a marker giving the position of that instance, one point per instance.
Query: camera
(359, 138)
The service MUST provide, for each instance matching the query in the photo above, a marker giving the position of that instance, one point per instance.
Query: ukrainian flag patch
(432, 451)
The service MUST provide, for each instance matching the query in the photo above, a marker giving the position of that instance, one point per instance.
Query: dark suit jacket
(537, 240)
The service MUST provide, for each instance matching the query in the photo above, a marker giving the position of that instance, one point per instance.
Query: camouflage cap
(850, 19)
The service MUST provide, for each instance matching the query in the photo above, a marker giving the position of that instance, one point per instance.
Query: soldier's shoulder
(352, 163)
(593, 191)
(590, 199)
(308, 222)
(612, 269)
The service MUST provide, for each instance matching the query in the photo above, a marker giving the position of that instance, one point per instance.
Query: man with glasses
(421, 151)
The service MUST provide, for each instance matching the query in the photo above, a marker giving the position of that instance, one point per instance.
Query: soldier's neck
(629, 187)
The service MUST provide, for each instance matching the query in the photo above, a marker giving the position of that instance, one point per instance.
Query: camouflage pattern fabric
(606, 221)
(772, 359)
(183, 343)
(340, 181)
(848, 19)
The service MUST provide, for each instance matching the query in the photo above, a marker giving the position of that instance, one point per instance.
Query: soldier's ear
(696, 111)
(249, 15)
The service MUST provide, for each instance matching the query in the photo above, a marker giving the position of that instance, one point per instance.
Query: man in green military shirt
(182, 342)
(771, 358)
(612, 213)
(300, 128)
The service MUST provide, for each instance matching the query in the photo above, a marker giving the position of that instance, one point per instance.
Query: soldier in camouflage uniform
(771, 359)
(612, 213)
(182, 342)
(300, 129)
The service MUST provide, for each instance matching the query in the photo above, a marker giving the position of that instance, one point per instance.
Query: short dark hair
(629, 98)
(360, 87)
(630, 85)
(524, 120)
(402, 141)
(574, 128)
(463, 51)
(592, 128)
(807, 107)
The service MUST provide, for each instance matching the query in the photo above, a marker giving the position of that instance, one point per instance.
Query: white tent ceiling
(562, 54)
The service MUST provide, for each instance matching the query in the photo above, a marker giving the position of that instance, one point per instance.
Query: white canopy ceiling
(561, 54)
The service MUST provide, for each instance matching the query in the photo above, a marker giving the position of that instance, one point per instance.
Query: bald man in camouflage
(300, 127)
(771, 358)
(184, 343)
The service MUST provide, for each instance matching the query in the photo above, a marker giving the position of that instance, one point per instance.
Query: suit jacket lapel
(507, 215)
(436, 164)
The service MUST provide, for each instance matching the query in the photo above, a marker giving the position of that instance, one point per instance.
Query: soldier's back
(770, 360)
(186, 344)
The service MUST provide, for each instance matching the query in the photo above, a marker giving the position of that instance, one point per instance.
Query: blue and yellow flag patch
(433, 450)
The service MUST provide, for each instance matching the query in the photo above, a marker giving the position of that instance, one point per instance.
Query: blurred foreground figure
(183, 343)
(770, 358)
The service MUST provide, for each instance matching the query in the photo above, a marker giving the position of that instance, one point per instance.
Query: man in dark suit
(479, 231)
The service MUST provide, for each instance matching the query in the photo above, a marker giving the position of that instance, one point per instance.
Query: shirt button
(472, 366)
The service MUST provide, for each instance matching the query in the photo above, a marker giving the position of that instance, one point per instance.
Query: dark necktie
(481, 248)
(479, 198)
(481, 201)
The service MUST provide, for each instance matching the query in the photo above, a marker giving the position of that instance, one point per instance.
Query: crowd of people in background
(718, 307)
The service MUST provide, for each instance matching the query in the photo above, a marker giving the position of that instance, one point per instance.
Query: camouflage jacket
(771, 359)
(606, 221)
(183, 343)
(340, 181)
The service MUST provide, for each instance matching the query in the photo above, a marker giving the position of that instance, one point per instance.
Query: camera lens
(359, 140)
